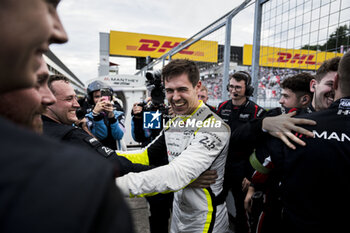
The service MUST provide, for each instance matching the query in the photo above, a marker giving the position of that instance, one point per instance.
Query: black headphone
(249, 90)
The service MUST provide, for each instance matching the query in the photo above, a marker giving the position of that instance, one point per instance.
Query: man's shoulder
(252, 104)
(224, 103)
(33, 146)
(40, 175)
(31, 157)
(57, 130)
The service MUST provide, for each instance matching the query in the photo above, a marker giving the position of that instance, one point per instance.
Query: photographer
(159, 205)
(104, 122)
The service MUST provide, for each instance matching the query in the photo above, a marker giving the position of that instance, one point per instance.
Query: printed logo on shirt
(344, 104)
(152, 120)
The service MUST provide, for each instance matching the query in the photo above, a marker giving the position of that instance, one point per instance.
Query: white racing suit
(191, 148)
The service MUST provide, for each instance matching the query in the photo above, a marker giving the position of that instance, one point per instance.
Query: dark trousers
(160, 209)
(234, 175)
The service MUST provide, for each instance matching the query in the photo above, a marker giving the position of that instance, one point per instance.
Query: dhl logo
(287, 58)
(298, 58)
(143, 45)
(156, 46)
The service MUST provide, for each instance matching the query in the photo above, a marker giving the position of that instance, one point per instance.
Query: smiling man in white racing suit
(193, 142)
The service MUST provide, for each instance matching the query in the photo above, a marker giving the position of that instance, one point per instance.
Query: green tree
(341, 36)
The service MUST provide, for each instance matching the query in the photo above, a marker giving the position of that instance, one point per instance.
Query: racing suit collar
(189, 116)
(184, 118)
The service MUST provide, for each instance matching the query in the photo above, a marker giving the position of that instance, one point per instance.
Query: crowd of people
(64, 174)
(269, 84)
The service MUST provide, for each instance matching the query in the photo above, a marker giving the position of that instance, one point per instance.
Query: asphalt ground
(140, 213)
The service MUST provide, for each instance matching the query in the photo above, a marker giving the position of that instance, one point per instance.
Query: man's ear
(305, 100)
(312, 85)
(336, 82)
(198, 86)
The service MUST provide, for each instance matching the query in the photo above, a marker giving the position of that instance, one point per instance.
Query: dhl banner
(143, 45)
(288, 58)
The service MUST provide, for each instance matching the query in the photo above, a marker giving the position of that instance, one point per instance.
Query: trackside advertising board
(143, 45)
(288, 58)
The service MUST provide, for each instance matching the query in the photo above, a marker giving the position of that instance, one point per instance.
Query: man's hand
(248, 202)
(245, 184)
(205, 180)
(282, 126)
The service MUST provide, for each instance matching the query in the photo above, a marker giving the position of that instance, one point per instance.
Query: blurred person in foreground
(46, 186)
(25, 106)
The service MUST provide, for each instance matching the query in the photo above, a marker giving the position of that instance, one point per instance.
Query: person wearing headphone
(104, 121)
(236, 112)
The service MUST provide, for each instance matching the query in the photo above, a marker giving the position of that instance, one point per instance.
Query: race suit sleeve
(204, 148)
(154, 154)
(97, 126)
(79, 137)
(117, 125)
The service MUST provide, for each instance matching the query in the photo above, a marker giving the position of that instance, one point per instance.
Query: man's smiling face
(181, 94)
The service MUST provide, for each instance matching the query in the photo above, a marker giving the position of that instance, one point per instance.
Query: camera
(155, 87)
(106, 92)
(157, 92)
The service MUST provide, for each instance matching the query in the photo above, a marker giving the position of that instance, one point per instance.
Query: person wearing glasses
(236, 112)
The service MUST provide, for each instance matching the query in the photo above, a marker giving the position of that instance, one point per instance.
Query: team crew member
(106, 123)
(190, 150)
(296, 94)
(203, 95)
(59, 122)
(236, 112)
(321, 165)
(281, 126)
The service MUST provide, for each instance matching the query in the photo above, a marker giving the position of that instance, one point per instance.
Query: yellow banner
(143, 45)
(288, 58)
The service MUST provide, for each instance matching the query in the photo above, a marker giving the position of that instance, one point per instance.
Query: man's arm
(282, 126)
(78, 136)
(154, 154)
(181, 171)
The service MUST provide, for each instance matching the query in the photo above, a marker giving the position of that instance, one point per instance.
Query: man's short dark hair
(54, 78)
(298, 84)
(344, 74)
(330, 65)
(181, 66)
(241, 75)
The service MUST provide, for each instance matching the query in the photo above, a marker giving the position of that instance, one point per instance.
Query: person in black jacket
(59, 123)
(236, 112)
(295, 94)
(46, 186)
(310, 174)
